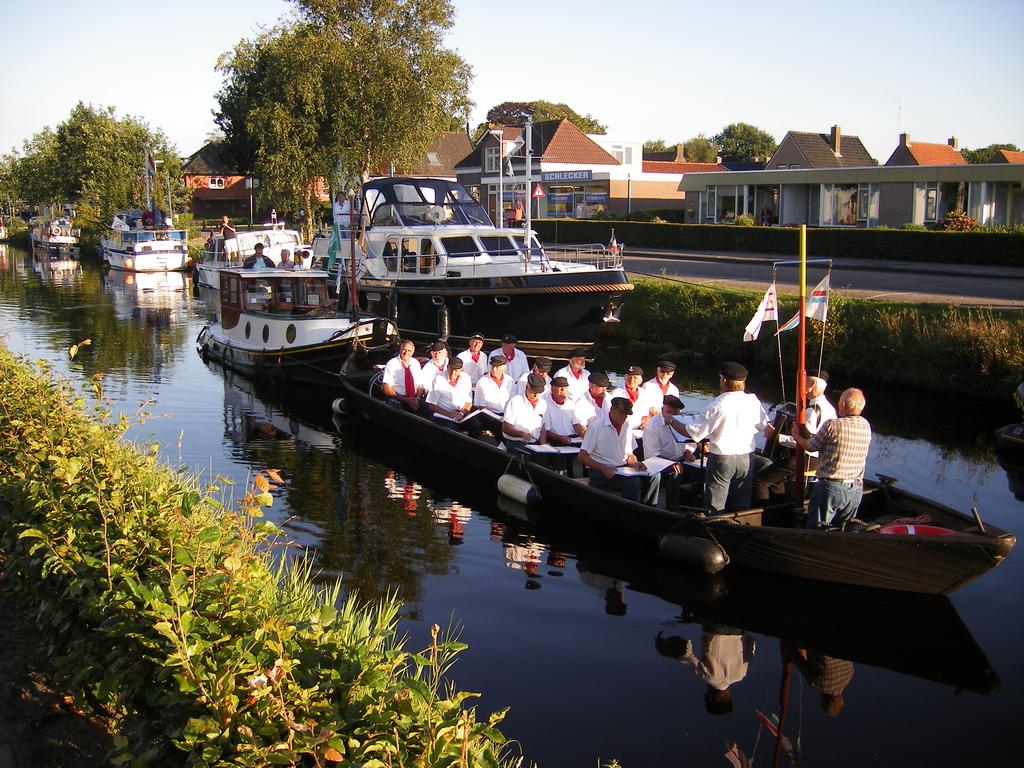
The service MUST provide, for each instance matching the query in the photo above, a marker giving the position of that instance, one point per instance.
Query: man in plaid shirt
(842, 446)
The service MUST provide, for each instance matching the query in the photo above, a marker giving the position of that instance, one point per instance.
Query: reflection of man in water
(724, 659)
(827, 675)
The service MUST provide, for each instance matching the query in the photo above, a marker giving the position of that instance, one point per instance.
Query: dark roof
(553, 141)
(442, 155)
(816, 149)
(743, 165)
(208, 161)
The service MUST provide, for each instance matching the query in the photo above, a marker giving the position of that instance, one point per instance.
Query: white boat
(55, 236)
(3, 232)
(282, 325)
(133, 245)
(274, 236)
(434, 260)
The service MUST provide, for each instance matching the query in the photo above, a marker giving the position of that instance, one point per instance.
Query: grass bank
(171, 616)
(950, 350)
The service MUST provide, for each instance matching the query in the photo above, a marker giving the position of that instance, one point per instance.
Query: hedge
(979, 247)
(164, 611)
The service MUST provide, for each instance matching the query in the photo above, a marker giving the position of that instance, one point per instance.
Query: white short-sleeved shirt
(606, 445)
(491, 395)
(655, 394)
(429, 372)
(475, 369)
(522, 414)
(517, 365)
(450, 396)
(659, 440)
(730, 422)
(560, 418)
(394, 374)
(578, 386)
(587, 408)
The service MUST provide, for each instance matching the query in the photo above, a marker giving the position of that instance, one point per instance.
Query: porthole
(289, 333)
(466, 301)
(266, 333)
(248, 329)
(437, 301)
(502, 301)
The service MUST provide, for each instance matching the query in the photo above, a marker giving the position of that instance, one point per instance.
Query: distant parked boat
(56, 237)
(133, 244)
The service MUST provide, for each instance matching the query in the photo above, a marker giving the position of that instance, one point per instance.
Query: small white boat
(274, 236)
(282, 325)
(134, 245)
(3, 232)
(56, 237)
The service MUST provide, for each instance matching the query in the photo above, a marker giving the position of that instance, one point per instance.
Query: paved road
(963, 284)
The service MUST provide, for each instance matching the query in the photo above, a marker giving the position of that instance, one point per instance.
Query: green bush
(744, 220)
(164, 612)
(978, 247)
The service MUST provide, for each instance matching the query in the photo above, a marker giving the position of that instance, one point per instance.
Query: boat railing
(593, 254)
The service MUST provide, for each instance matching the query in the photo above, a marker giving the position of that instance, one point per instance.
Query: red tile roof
(563, 142)
(935, 154)
(1009, 156)
(663, 166)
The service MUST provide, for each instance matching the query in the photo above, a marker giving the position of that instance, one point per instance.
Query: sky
(647, 69)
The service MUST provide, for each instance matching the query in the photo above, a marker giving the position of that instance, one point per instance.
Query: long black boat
(948, 552)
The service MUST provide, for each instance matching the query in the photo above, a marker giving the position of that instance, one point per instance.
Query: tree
(656, 145)
(742, 141)
(985, 154)
(514, 114)
(342, 89)
(699, 149)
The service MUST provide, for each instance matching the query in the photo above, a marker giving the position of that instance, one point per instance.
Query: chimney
(680, 154)
(904, 139)
(837, 137)
(954, 142)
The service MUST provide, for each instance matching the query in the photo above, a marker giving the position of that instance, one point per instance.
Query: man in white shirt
(401, 378)
(476, 364)
(541, 367)
(514, 358)
(594, 403)
(729, 423)
(436, 366)
(666, 438)
(607, 447)
(655, 389)
(493, 392)
(576, 373)
(632, 390)
(524, 416)
(450, 400)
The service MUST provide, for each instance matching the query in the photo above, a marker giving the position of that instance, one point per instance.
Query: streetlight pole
(500, 207)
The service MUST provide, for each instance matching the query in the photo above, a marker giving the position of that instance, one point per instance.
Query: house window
(623, 153)
(491, 159)
(216, 182)
(931, 201)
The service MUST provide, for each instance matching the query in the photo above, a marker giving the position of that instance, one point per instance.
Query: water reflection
(56, 271)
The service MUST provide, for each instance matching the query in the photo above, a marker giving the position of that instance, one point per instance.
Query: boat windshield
(422, 202)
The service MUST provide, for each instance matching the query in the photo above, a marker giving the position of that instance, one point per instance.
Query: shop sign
(557, 176)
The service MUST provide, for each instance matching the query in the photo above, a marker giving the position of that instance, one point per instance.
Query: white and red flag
(768, 309)
(816, 307)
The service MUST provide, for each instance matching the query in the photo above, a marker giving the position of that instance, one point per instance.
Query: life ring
(915, 530)
(55, 231)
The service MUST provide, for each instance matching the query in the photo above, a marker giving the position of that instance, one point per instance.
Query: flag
(768, 309)
(613, 244)
(816, 307)
(508, 166)
(150, 164)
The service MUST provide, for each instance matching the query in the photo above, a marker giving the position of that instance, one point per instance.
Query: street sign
(538, 191)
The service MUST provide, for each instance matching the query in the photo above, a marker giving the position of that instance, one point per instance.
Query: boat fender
(914, 530)
(341, 407)
(518, 489)
(693, 552)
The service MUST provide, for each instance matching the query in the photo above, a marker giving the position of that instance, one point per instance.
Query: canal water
(582, 639)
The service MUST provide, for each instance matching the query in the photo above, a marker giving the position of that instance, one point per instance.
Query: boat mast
(529, 193)
(353, 301)
(801, 363)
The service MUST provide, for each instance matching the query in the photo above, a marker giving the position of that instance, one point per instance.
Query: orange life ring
(915, 530)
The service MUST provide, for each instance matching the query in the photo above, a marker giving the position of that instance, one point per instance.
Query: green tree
(700, 149)
(742, 141)
(514, 113)
(985, 154)
(342, 89)
(656, 145)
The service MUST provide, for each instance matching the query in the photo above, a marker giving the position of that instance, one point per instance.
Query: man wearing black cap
(493, 392)
(632, 390)
(516, 360)
(666, 438)
(729, 424)
(524, 415)
(451, 397)
(541, 367)
(607, 446)
(661, 385)
(436, 366)
(576, 373)
(561, 414)
(476, 363)
(593, 404)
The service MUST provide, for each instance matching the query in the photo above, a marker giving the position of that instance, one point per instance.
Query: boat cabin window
(385, 216)
(257, 295)
(499, 245)
(460, 246)
(410, 254)
(390, 255)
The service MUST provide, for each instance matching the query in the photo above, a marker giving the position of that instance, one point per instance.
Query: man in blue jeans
(842, 445)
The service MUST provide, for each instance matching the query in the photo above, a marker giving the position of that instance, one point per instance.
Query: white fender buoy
(693, 552)
(341, 407)
(518, 489)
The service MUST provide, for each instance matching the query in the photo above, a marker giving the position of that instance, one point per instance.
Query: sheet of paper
(654, 466)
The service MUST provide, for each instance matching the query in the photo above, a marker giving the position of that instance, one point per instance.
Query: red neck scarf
(599, 399)
(664, 387)
(577, 374)
(475, 356)
(498, 380)
(633, 394)
(509, 357)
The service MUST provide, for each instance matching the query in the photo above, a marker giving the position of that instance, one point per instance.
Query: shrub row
(997, 248)
(976, 352)
(163, 610)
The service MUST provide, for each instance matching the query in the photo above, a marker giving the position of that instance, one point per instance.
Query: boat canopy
(401, 201)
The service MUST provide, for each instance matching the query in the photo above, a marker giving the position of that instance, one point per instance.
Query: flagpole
(824, 325)
(801, 367)
(778, 338)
